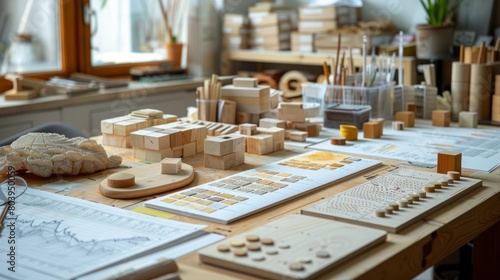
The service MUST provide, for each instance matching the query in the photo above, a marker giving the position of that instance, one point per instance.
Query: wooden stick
(482, 53)
(337, 57)
(351, 62)
(462, 53)
(497, 44)
(326, 72)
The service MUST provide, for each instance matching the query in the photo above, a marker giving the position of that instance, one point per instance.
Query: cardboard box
(269, 19)
(271, 30)
(342, 14)
(270, 40)
(317, 26)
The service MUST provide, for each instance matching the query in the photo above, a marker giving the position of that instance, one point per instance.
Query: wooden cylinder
(460, 79)
(480, 91)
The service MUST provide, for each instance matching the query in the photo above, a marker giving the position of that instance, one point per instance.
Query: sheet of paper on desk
(480, 147)
(64, 237)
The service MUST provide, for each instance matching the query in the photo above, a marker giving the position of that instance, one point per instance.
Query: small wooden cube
(412, 107)
(259, 144)
(219, 146)
(175, 137)
(178, 151)
(441, 118)
(124, 128)
(312, 129)
(371, 130)
(380, 126)
(189, 149)
(398, 125)
(298, 136)
(220, 162)
(407, 117)
(156, 141)
(248, 129)
(245, 82)
(292, 114)
(268, 122)
(449, 161)
(171, 166)
(467, 119)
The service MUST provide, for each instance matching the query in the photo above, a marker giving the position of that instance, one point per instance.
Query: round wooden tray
(149, 181)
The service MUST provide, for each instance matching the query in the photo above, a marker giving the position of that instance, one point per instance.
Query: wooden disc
(149, 181)
(121, 180)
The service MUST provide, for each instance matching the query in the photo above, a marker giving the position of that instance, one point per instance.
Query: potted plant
(434, 38)
(173, 47)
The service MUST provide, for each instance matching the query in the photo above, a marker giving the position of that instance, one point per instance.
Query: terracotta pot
(174, 53)
(434, 41)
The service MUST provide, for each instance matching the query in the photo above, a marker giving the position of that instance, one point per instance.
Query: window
(46, 38)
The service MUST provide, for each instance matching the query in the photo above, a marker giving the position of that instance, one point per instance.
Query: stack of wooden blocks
(236, 31)
(251, 99)
(173, 140)
(263, 140)
(215, 128)
(296, 115)
(224, 152)
(271, 27)
(116, 131)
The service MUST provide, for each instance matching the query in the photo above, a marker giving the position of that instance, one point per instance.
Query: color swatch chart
(234, 197)
(395, 200)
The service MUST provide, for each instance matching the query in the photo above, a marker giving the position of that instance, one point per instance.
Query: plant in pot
(169, 13)
(434, 39)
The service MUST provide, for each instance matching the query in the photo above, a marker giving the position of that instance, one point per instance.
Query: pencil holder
(207, 109)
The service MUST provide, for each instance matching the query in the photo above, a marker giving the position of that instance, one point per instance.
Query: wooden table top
(403, 255)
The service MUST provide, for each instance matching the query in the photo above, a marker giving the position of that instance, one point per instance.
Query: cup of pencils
(208, 97)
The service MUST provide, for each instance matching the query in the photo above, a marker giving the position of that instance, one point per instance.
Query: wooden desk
(404, 255)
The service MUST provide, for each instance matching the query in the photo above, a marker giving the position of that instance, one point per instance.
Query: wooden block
(124, 128)
(178, 151)
(157, 156)
(467, 119)
(268, 122)
(213, 127)
(227, 112)
(298, 136)
(171, 166)
(116, 141)
(238, 143)
(371, 130)
(147, 113)
(312, 129)
(230, 129)
(219, 146)
(156, 141)
(220, 162)
(449, 161)
(259, 144)
(170, 118)
(412, 107)
(140, 153)
(245, 82)
(189, 149)
(243, 117)
(292, 114)
(251, 100)
(248, 129)
(407, 117)
(337, 140)
(380, 125)
(137, 138)
(294, 105)
(398, 125)
(495, 108)
(277, 133)
(175, 137)
(441, 118)
(200, 146)
(239, 157)
(107, 127)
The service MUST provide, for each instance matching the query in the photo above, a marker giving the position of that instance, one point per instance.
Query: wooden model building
(116, 131)
(173, 140)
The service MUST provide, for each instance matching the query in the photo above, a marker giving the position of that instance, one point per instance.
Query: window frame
(75, 44)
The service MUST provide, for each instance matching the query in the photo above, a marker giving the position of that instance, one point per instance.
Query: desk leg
(487, 254)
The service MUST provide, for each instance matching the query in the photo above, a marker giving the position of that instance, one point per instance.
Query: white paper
(65, 237)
